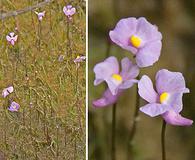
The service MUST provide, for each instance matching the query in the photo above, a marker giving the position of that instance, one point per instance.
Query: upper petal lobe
(146, 90)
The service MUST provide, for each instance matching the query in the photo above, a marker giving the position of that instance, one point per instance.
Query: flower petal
(154, 109)
(174, 118)
(121, 34)
(11, 34)
(129, 70)
(146, 90)
(107, 99)
(12, 42)
(7, 91)
(167, 81)
(128, 84)
(149, 54)
(8, 38)
(175, 101)
(15, 38)
(146, 31)
(72, 11)
(65, 9)
(105, 69)
(113, 85)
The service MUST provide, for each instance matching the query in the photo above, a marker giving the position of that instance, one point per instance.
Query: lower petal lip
(107, 99)
(174, 118)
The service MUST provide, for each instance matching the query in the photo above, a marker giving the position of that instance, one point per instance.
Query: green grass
(50, 123)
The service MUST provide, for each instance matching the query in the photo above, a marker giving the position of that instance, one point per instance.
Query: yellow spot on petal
(163, 97)
(14, 107)
(135, 41)
(117, 77)
(78, 57)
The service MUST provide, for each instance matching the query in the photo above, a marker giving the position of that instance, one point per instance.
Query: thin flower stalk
(134, 125)
(163, 140)
(113, 149)
(39, 35)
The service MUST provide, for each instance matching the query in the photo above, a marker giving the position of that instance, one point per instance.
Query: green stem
(134, 126)
(113, 149)
(5, 124)
(77, 80)
(75, 149)
(39, 34)
(57, 147)
(68, 38)
(163, 140)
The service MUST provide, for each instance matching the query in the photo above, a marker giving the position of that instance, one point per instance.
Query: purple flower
(14, 107)
(167, 99)
(12, 38)
(69, 11)
(79, 59)
(108, 71)
(140, 37)
(7, 91)
(40, 15)
(107, 99)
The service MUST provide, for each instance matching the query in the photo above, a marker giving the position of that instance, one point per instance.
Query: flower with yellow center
(135, 41)
(117, 77)
(163, 97)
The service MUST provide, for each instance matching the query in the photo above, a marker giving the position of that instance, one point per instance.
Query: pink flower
(69, 11)
(40, 15)
(139, 37)
(7, 91)
(14, 107)
(166, 100)
(109, 71)
(12, 38)
(80, 59)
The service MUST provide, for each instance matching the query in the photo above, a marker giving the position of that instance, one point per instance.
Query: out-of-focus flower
(107, 99)
(80, 59)
(14, 107)
(12, 38)
(40, 15)
(167, 99)
(108, 71)
(69, 11)
(140, 37)
(7, 91)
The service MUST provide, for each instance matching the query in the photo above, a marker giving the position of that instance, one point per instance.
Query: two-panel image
(97, 80)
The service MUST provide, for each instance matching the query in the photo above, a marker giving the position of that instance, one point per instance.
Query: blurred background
(176, 21)
(48, 85)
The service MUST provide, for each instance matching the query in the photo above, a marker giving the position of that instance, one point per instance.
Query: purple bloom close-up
(140, 37)
(7, 91)
(69, 10)
(12, 38)
(14, 107)
(108, 71)
(167, 99)
(40, 15)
